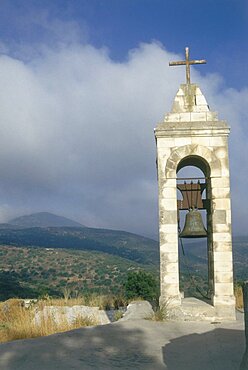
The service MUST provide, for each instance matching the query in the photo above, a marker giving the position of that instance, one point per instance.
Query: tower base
(193, 309)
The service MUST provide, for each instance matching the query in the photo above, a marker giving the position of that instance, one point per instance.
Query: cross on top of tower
(187, 63)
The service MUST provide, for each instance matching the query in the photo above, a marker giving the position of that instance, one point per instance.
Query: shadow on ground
(219, 349)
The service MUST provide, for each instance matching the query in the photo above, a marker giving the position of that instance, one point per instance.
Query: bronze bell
(193, 227)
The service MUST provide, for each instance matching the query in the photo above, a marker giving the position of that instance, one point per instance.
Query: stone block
(168, 248)
(171, 238)
(162, 159)
(169, 183)
(201, 151)
(215, 169)
(219, 216)
(169, 301)
(168, 257)
(222, 247)
(171, 278)
(215, 164)
(218, 141)
(221, 257)
(212, 116)
(223, 204)
(220, 193)
(165, 143)
(200, 108)
(223, 277)
(222, 228)
(220, 182)
(169, 193)
(198, 117)
(168, 228)
(172, 117)
(200, 140)
(184, 117)
(223, 289)
(228, 217)
(226, 266)
(166, 238)
(168, 217)
(224, 168)
(228, 300)
(181, 141)
(225, 312)
(221, 152)
(169, 290)
(182, 152)
(222, 237)
(168, 204)
(170, 174)
(170, 267)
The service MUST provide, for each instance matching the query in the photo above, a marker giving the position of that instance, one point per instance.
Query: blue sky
(83, 84)
(214, 29)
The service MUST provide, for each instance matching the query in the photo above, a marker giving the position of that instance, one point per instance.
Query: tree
(141, 284)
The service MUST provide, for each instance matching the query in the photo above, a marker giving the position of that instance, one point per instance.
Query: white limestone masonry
(192, 132)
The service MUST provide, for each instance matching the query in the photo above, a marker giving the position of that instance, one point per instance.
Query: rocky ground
(133, 343)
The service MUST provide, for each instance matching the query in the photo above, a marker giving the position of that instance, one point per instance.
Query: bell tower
(192, 135)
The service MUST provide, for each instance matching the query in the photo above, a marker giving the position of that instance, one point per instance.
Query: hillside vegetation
(47, 260)
(33, 272)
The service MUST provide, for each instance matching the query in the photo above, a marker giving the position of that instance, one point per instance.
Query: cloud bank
(76, 133)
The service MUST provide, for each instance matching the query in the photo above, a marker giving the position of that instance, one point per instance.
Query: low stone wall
(59, 313)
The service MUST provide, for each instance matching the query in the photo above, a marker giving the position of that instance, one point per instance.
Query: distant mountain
(43, 219)
(45, 230)
(113, 242)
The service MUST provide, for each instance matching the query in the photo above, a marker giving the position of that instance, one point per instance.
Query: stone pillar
(223, 294)
(169, 269)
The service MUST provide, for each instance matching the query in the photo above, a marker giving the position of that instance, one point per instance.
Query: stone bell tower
(192, 135)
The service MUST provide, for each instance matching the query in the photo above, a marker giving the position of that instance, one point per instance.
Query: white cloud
(76, 133)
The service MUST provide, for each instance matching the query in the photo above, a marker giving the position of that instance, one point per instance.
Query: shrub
(141, 284)
(239, 296)
(160, 313)
(118, 315)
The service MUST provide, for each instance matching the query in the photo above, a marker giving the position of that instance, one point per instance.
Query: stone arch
(184, 153)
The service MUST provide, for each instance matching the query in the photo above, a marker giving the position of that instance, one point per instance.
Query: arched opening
(193, 192)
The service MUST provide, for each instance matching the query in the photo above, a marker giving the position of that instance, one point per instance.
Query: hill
(36, 260)
(113, 242)
(43, 219)
(35, 257)
(33, 272)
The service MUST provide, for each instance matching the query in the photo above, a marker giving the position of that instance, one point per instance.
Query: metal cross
(187, 62)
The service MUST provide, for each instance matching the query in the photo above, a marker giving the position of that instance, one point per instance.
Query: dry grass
(17, 322)
(239, 296)
(104, 302)
(161, 312)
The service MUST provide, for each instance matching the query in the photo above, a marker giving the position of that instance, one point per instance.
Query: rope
(189, 273)
(187, 195)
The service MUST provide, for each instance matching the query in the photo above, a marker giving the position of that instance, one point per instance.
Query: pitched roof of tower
(190, 105)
